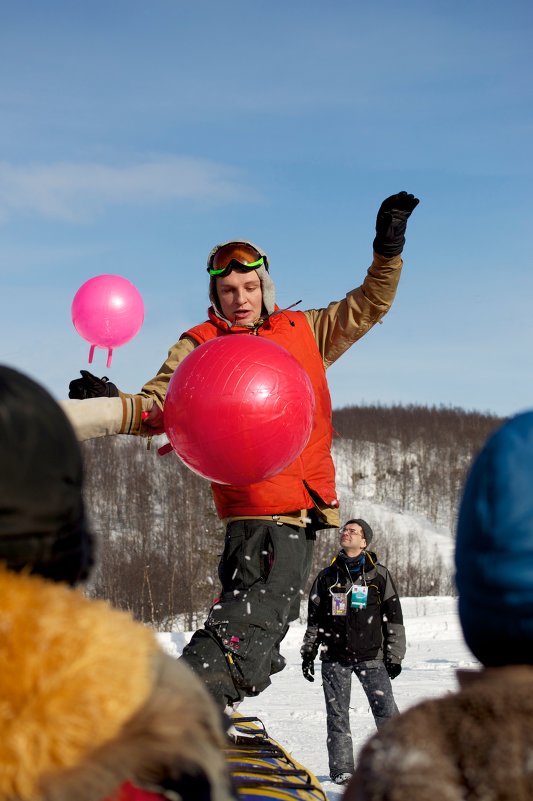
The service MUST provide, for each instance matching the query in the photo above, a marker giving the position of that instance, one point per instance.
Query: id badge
(338, 603)
(359, 597)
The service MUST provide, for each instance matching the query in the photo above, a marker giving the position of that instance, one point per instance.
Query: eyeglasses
(241, 256)
(351, 531)
(235, 264)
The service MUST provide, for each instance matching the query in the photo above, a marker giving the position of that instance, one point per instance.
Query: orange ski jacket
(313, 470)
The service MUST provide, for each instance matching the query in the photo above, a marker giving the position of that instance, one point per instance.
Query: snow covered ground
(292, 709)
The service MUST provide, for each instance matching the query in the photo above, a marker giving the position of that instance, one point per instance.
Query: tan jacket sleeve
(156, 388)
(102, 417)
(343, 322)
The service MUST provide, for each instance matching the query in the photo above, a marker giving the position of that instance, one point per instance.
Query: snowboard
(260, 768)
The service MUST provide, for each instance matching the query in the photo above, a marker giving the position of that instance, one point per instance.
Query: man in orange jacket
(271, 524)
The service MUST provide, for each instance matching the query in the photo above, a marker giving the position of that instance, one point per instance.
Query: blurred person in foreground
(90, 707)
(355, 617)
(271, 524)
(476, 743)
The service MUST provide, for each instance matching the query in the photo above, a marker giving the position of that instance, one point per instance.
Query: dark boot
(277, 662)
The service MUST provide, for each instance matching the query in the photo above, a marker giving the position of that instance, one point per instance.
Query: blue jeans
(337, 685)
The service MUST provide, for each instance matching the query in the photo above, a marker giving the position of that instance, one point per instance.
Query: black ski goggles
(235, 256)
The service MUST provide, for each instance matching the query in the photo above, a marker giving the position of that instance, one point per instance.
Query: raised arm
(343, 322)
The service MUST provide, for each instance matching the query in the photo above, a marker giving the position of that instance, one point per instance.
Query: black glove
(89, 386)
(391, 223)
(393, 669)
(308, 667)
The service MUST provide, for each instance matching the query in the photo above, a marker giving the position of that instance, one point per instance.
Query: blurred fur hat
(42, 521)
(494, 547)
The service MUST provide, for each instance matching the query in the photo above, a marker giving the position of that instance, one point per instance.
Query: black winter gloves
(89, 386)
(308, 652)
(393, 669)
(391, 223)
(308, 667)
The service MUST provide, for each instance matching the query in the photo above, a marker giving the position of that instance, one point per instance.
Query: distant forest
(435, 425)
(414, 456)
(160, 539)
(412, 459)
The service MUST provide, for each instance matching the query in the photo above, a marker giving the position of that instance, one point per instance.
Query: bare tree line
(160, 539)
(415, 457)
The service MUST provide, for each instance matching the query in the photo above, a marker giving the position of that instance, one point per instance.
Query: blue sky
(136, 135)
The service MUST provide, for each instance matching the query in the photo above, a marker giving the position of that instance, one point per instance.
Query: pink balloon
(239, 409)
(107, 311)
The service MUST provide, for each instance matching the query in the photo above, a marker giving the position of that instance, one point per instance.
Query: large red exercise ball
(107, 311)
(239, 409)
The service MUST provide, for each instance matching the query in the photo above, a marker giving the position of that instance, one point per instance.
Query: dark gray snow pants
(263, 570)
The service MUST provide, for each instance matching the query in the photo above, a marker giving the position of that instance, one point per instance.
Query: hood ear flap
(268, 288)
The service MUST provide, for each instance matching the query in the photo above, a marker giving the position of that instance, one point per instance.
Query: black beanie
(367, 531)
(42, 521)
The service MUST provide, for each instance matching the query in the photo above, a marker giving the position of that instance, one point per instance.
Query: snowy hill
(402, 469)
(406, 526)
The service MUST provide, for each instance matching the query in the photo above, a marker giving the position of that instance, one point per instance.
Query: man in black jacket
(355, 615)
